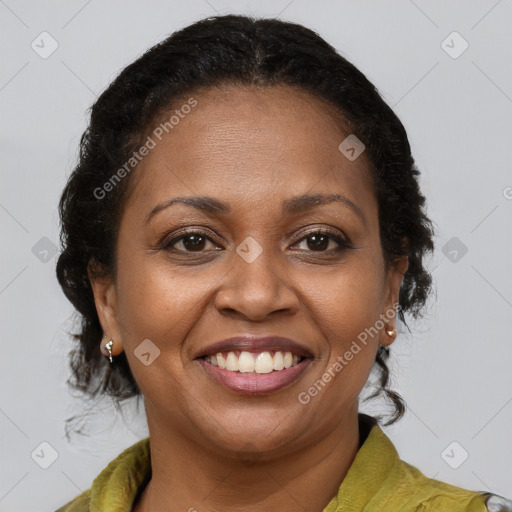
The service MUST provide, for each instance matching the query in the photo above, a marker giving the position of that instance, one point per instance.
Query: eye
(198, 241)
(190, 241)
(323, 241)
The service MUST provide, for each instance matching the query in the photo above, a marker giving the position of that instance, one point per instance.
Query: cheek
(350, 299)
(157, 304)
(160, 304)
(347, 311)
(164, 305)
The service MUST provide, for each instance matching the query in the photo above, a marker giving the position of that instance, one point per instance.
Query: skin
(213, 449)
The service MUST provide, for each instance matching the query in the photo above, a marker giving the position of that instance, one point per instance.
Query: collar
(373, 464)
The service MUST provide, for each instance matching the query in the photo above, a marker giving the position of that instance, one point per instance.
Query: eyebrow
(292, 206)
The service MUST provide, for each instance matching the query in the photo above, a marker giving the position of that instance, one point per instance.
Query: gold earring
(108, 346)
(391, 332)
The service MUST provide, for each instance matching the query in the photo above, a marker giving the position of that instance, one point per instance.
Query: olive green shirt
(377, 481)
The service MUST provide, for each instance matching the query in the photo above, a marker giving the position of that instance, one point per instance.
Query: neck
(192, 478)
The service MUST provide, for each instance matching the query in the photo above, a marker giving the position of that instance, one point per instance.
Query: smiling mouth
(255, 365)
(242, 361)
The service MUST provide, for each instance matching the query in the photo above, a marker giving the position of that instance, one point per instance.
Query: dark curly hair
(228, 50)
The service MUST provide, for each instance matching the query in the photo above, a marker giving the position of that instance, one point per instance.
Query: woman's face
(253, 264)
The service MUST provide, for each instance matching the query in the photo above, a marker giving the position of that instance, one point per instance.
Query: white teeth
(278, 361)
(232, 362)
(264, 363)
(248, 362)
(221, 361)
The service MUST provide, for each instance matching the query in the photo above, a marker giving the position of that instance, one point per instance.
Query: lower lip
(256, 383)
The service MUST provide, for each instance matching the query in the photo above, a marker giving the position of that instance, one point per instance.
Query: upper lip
(254, 344)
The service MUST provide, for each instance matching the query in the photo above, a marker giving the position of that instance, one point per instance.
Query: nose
(256, 290)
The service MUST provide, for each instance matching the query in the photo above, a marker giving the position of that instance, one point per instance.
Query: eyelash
(342, 242)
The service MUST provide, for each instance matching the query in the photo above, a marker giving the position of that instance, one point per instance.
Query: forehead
(251, 142)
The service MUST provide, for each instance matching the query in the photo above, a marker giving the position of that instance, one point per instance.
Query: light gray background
(454, 370)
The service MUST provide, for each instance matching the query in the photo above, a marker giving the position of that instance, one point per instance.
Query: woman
(241, 232)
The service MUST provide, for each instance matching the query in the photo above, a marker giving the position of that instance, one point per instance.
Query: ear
(394, 279)
(105, 299)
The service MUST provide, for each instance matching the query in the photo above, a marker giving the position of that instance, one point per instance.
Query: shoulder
(495, 503)
(437, 496)
(393, 484)
(118, 484)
